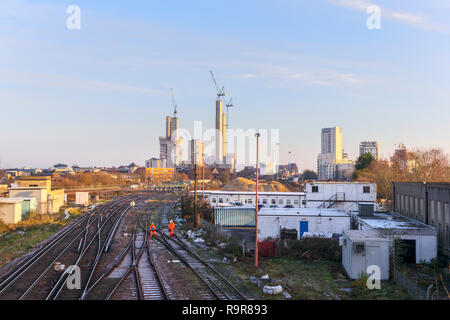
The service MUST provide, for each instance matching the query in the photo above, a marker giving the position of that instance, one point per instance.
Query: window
(273, 201)
(295, 201)
(250, 201)
(213, 200)
(280, 201)
(264, 201)
(220, 200)
(315, 188)
(288, 201)
(366, 189)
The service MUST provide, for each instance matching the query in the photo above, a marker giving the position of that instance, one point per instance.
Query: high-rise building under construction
(221, 133)
(170, 145)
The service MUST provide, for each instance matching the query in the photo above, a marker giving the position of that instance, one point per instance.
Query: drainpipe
(426, 202)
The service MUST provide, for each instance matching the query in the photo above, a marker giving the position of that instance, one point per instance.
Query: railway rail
(135, 270)
(215, 285)
(110, 271)
(36, 278)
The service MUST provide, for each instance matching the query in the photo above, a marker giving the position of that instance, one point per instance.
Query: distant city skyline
(98, 96)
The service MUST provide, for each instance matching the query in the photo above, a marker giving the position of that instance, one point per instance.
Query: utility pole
(195, 196)
(256, 204)
(203, 178)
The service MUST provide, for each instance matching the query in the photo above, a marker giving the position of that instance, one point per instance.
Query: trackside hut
(362, 249)
(419, 239)
(11, 210)
(312, 221)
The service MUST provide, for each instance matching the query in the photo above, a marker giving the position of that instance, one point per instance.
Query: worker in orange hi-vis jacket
(171, 227)
(152, 231)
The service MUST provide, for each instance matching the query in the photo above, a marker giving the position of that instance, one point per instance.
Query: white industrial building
(419, 239)
(306, 221)
(346, 196)
(248, 198)
(10, 210)
(82, 198)
(362, 249)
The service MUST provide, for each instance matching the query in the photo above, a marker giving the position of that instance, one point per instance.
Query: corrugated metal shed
(234, 217)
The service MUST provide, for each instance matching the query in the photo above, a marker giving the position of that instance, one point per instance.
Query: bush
(3, 227)
(312, 249)
(361, 282)
(233, 247)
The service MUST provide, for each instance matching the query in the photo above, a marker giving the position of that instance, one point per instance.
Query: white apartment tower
(331, 153)
(372, 147)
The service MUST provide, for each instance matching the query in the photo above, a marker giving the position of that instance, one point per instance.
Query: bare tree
(430, 165)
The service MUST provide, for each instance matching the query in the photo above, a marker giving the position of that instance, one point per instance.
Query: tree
(364, 161)
(430, 165)
(309, 175)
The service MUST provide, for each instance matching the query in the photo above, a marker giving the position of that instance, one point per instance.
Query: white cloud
(316, 77)
(65, 82)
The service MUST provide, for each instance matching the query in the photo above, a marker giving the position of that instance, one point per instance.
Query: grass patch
(318, 280)
(35, 229)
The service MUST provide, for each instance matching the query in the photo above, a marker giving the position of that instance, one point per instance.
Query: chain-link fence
(414, 290)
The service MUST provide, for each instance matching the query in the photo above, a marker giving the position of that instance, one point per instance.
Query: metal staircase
(338, 197)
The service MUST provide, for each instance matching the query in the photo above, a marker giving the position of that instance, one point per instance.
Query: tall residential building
(196, 150)
(331, 153)
(372, 147)
(332, 142)
(170, 145)
(221, 133)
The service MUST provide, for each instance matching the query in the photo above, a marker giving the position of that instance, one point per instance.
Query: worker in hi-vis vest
(171, 227)
(152, 230)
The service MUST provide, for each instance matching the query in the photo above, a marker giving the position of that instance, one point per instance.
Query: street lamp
(256, 204)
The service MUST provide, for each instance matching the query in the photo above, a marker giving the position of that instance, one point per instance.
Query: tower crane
(173, 104)
(220, 92)
(229, 105)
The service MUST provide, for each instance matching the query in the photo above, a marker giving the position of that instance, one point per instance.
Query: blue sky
(99, 95)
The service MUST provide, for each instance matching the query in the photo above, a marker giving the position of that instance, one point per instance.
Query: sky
(99, 95)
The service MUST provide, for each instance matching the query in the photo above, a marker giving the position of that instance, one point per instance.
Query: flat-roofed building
(428, 203)
(305, 222)
(35, 181)
(10, 210)
(48, 200)
(346, 196)
(39, 193)
(418, 240)
(248, 198)
(156, 175)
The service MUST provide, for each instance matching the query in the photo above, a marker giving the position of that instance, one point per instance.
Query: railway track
(79, 244)
(213, 285)
(134, 274)
(127, 271)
